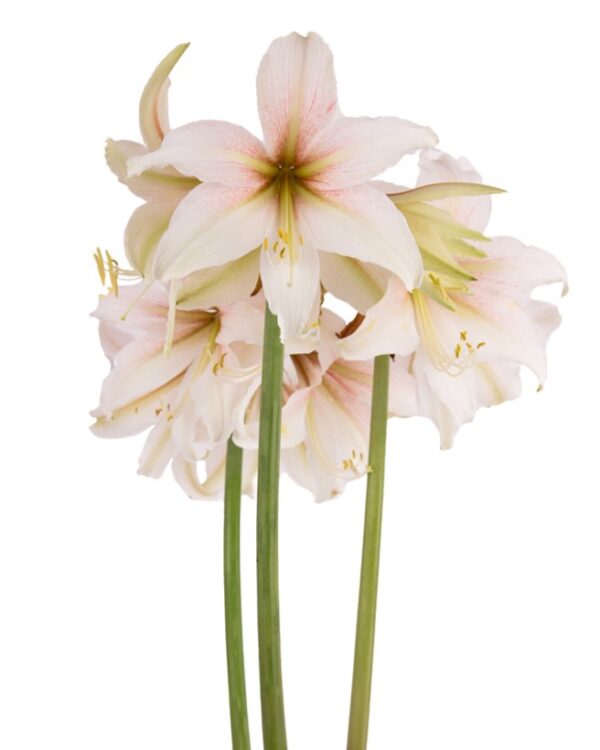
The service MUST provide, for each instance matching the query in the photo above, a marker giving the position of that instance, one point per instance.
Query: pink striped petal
(352, 150)
(213, 225)
(362, 223)
(296, 94)
(212, 151)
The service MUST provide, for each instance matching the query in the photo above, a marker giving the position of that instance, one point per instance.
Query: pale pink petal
(298, 463)
(113, 339)
(296, 94)
(211, 151)
(186, 475)
(516, 268)
(451, 402)
(402, 399)
(290, 289)
(157, 452)
(154, 116)
(336, 435)
(140, 311)
(143, 232)
(217, 398)
(242, 321)
(359, 284)
(437, 166)
(499, 313)
(211, 487)
(362, 223)
(220, 286)
(293, 418)
(388, 328)
(136, 416)
(139, 370)
(214, 224)
(165, 185)
(352, 150)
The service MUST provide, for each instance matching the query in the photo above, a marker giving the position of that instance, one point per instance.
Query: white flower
(302, 194)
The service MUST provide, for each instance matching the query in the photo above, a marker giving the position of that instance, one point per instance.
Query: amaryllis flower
(476, 321)
(327, 398)
(302, 193)
(186, 398)
(327, 421)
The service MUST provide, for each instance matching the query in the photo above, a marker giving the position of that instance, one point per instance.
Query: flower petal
(298, 463)
(154, 117)
(139, 371)
(291, 289)
(211, 226)
(143, 232)
(516, 267)
(211, 488)
(212, 151)
(437, 166)
(296, 92)
(362, 223)
(451, 402)
(293, 418)
(220, 286)
(153, 185)
(242, 321)
(388, 328)
(359, 284)
(402, 400)
(352, 150)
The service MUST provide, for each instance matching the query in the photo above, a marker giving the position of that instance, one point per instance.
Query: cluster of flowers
(231, 223)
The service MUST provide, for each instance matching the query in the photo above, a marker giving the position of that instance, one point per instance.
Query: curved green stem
(367, 603)
(240, 735)
(269, 648)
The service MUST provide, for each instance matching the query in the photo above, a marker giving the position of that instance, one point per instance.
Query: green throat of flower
(445, 245)
(444, 242)
(284, 246)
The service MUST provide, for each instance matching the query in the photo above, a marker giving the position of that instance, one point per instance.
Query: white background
(110, 590)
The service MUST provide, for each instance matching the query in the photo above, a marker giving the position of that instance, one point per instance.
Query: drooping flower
(476, 321)
(302, 194)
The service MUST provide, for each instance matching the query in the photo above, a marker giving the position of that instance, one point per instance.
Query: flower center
(453, 361)
(285, 244)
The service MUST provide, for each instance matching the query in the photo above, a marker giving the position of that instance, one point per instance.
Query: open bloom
(474, 314)
(327, 399)
(301, 193)
(187, 399)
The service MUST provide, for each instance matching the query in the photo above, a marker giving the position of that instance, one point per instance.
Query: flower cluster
(230, 224)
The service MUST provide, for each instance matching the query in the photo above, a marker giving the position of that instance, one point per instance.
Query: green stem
(367, 603)
(240, 735)
(269, 647)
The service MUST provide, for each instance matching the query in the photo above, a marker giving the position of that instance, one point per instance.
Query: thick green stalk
(269, 647)
(238, 711)
(367, 603)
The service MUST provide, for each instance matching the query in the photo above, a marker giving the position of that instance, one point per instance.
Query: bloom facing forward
(303, 191)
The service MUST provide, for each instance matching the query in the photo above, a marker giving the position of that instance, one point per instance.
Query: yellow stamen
(441, 359)
(100, 266)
